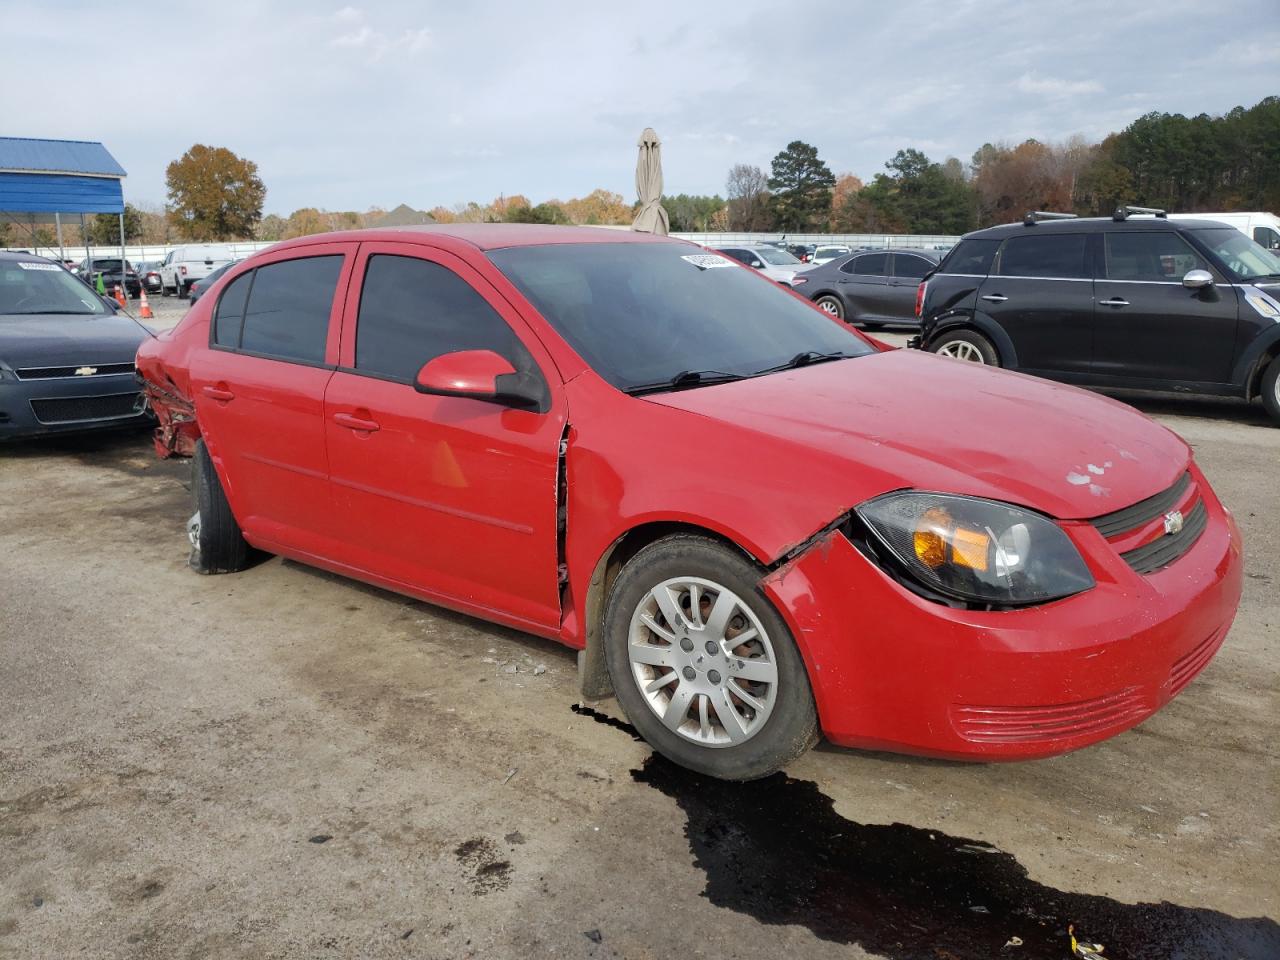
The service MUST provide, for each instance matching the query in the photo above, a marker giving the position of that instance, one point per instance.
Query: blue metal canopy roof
(39, 178)
(21, 154)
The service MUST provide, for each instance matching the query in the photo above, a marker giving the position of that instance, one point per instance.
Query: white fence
(143, 253)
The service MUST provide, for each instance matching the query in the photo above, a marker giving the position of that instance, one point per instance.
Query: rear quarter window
(1054, 256)
(971, 257)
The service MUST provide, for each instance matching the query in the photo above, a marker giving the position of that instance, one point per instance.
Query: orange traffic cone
(144, 307)
(120, 296)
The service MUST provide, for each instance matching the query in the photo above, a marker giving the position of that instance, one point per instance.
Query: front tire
(217, 545)
(1271, 389)
(830, 304)
(702, 663)
(967, 345)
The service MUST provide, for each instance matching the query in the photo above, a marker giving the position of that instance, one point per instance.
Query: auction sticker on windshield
(24, 265)
(705, 261)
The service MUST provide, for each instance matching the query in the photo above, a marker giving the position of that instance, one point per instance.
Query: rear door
(906, 271)
(454, 497)
(1149, 326)
(864, 285)
(259, 393)
(1040, 291)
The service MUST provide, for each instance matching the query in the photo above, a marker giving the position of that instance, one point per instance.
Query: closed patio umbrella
(652, 218)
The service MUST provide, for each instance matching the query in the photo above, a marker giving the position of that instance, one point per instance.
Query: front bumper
(33, 408)
(891, 670)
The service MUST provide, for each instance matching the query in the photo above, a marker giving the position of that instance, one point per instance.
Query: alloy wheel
(703, 662)
(961, 350)
(829, 306)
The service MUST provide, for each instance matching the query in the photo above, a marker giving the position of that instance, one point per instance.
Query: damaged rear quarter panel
(163, 365)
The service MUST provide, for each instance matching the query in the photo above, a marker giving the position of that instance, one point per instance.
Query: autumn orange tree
(214, 194)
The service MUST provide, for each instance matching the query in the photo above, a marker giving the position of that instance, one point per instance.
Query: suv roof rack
(1123, 213)
(1035, 216)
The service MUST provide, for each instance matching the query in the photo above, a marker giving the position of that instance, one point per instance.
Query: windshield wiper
(53, 313)
(804, 359)
(685, 380)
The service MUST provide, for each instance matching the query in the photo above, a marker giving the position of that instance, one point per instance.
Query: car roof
(1096, 225)
(23, 257)
(482, 236)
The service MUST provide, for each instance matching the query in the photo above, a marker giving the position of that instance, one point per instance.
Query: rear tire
(1271, 389)
(217, 545)
(830, 304)
(966, 345)
(724, 691)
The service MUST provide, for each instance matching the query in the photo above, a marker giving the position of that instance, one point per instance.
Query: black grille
(1163, 551)
(55, 373)
(72, 409)
(1144, 511)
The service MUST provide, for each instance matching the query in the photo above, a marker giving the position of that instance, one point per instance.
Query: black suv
(1139, 302)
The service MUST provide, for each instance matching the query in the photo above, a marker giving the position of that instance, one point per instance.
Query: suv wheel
(1271, 389)
(967, 345)
(702, 663)
(830, 304)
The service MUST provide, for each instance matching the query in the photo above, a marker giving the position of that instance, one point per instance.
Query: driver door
(451, 497)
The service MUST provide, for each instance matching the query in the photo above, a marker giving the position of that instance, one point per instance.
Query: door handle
(1114, 302)
(221, 394)
(356, 423)
(994, 298)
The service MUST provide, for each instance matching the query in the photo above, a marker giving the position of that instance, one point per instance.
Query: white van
(1262, 228)
(185, 265)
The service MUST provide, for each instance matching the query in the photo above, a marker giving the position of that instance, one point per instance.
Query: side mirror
(1197, 279)
(757, 264)
(479, 375)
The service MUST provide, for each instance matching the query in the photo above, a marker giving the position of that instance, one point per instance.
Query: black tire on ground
(217, 546)
(830, 303)
(792, 726)
(983, 347)
(164, 291)
(184, 289)
(1271, 389)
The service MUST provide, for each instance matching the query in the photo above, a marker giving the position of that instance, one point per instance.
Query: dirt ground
(283, 763)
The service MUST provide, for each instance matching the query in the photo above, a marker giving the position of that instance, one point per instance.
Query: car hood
(53, 340)
(908, 419)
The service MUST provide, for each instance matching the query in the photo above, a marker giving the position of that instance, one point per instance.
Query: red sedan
(753, 523)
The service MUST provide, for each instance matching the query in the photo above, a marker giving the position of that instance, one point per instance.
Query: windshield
(779, 258)
(644, 313)
(109, 265)
(33, 287)
(1243, 257)
(829, 252)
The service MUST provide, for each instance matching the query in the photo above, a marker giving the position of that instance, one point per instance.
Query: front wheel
(967, 345)
(702, 663)
(831, 305)
(1271, 389)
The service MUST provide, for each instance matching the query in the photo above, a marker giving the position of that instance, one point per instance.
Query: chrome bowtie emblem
(86, 371)
(1173, 522)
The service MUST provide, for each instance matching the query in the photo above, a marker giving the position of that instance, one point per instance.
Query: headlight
(977, 550)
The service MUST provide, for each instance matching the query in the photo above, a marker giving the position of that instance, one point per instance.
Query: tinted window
(229, 315)
(1055, 255)
(971, 256)
(1150, 256)
(913, 267)
(1243, 257)
(640, 313)
(872, 265)
(411, 311)
(288, 311)
(1266, 237)
(740, 255)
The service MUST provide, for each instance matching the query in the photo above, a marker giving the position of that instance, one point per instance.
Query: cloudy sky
(428, 102)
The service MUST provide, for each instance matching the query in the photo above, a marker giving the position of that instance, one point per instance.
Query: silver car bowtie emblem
(86, 371)
(1173, 522)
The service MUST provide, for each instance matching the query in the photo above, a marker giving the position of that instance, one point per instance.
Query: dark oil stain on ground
(776, 850)
(488, 871)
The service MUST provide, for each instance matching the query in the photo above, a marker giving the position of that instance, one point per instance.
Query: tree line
(1178, 163)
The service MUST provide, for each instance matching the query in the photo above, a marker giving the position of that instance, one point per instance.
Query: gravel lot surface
(284, 763)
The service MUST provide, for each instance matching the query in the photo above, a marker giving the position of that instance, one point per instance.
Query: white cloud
(1054, 87)
(361, 36)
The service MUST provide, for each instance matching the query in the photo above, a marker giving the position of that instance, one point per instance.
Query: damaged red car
(757, 526)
